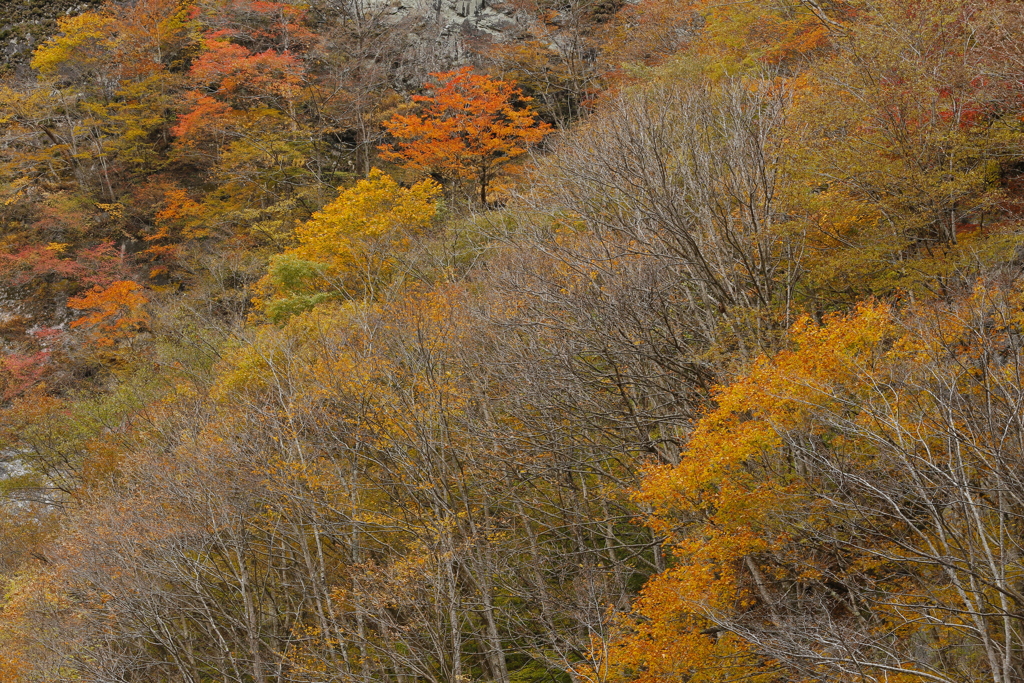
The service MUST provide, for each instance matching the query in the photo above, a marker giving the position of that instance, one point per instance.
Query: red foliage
(30, 263)
(98, 265)
(236, 72)
(20, 372)
(256, 24)
(205, 114)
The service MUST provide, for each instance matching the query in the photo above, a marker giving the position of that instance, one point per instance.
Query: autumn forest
(532, 341)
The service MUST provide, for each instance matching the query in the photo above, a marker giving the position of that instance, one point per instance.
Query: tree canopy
(580, 342)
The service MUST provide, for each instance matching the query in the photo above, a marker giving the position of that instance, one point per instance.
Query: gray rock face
(449, 24)
(455, 16)
(434, 35)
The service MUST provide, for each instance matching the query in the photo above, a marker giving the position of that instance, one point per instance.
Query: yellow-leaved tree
(849, 510)
(349, 248)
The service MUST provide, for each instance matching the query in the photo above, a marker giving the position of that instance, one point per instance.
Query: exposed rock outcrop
(452, 23)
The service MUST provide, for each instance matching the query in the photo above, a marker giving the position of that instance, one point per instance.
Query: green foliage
(535, 672)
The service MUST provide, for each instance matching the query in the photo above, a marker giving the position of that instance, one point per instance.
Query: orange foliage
(467, 127)
(232, 76)
(204, 113)
(114, 312)
(241, 80)
(132, 42)
(721, 511)
(804, 484)
(236, 71)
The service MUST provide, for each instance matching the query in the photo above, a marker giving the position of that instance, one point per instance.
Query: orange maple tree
(112, 312)
(467, 127)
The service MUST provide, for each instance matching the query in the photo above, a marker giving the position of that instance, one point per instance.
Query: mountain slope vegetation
(666, 342)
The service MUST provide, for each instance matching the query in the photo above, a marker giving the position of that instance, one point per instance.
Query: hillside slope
(677, 341)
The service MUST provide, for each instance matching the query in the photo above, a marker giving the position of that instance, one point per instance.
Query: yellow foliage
(77, 33)
(376, 207)
(349, 247)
